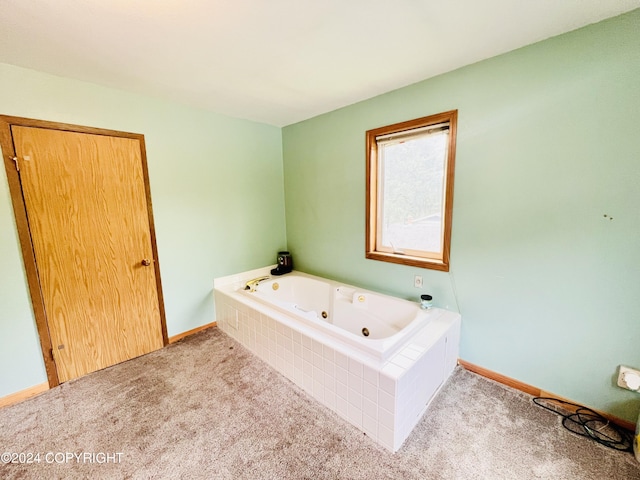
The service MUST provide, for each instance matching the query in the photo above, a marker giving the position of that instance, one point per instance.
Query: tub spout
(252, 284)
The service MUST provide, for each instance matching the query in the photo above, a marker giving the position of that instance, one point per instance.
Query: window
(410, 168)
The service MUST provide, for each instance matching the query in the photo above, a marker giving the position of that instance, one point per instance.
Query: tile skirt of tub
(383, 401)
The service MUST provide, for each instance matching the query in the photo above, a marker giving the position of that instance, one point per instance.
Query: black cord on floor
(590, 424)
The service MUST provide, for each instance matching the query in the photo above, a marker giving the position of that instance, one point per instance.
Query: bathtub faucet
(252, 284)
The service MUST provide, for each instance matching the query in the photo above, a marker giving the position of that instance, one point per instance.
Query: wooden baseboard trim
(180, 336)
(23, 394)
(510, 382)
(537, 392)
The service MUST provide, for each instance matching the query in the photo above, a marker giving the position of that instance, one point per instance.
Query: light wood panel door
(87, 213)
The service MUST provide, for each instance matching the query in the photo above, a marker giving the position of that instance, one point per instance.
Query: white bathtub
(373, 323)
(310, 329)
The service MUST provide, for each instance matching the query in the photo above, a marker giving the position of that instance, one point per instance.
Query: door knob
(145, 262)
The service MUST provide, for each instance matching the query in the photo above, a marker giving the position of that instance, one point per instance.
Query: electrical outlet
(629, 378)
(417, 281)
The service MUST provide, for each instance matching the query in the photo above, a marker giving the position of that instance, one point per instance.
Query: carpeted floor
(206, 408)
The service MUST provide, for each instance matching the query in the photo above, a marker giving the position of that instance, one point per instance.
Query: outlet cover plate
(621, 371)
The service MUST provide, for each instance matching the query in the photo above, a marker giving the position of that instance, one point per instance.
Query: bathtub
(373, 323)
(375, 360)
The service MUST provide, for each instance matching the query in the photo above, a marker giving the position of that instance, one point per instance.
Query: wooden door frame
(24, 234)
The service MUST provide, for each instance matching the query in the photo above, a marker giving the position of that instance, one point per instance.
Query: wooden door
(89, 219)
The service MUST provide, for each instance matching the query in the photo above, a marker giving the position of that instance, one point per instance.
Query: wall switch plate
(417, 281)
(629, 378)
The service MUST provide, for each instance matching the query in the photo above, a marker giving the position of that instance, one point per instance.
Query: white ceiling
(276, 61)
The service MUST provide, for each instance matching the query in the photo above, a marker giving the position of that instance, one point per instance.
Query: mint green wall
(216, 187)
(548, 144)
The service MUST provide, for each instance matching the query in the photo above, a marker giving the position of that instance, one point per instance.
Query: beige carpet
(206, 408)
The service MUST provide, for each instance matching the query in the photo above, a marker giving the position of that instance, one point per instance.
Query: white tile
(288, 357)
(317, 347)
(342, 390)
(355, 367)
(385, 437)
(263, 348)
(329, 382)
(414, 352)
(297, 338)
(271, 345)
(297, 349)
(355, 399)
(307, 383)
(392, 370)
(399, 437)
(404, 420)
(342, 375)
(328, 353)
(307, 355)
(355, 383)
(329, 367)
(342, 360)
(307, 342)
(370, 426)
(330, 399)
(355, 416)
(288, 371)
(386, 401)
(272, 359)
(407, 387)
(370, 408)
(288, 344)
(318, 391)
(403, 362)
(260, 351)
(370, 392)
(287, 332)
(318, 360)
(298, 364)
(307, 368)
(342, 407)
(370, 374)
(298, 377)
(385, 418)
(272, 323)
(318, 375)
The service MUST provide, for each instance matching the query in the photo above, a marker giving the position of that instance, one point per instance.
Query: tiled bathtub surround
(384, 399)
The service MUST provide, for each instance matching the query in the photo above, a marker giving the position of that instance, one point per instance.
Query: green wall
(217, 192)
(548, 144)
